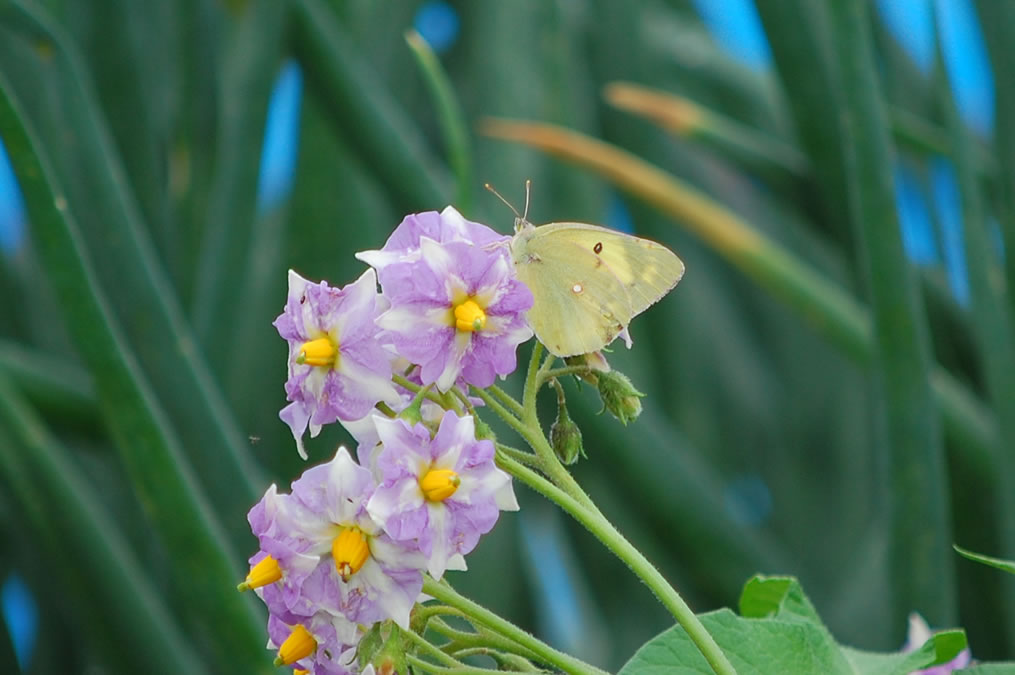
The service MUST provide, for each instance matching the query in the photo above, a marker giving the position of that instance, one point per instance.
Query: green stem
(500, 410)
(530, 429)
(482, 637)
(433, 651)
(526, 458)
(566, 370)
(460, 395)
(603, 530)
(569, 664)
(457, 670)
(544, 459)
(531, 389)
(430, 613)
(453, 634)
(510, 662)
(405, 383)
(509, 402)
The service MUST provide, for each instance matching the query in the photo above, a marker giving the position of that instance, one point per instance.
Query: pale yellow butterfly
(587, 281)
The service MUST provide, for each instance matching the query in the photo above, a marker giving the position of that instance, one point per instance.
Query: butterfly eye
(598, 248)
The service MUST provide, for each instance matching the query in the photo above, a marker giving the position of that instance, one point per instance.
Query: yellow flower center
(299, 645)
(469, 317)
(263, 573)
(439, 484)
(319, 352)
(349, 550)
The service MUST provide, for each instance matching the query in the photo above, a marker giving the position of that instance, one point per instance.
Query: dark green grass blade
(992, 329)
(71, 524)
(833, 313)
(254, 51)
(996, 19)
(450, 117)
(125, 46)
(799, 34)
(922, 577)
(58, 98)
(205, 568)
(365, 114)
(8, 660)
(60, 389)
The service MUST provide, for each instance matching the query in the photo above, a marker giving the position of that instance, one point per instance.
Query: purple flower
(274, 521)
(442, 493)
(337, 367)
(362, 573)
(323, 644)
(456, 310)
(448, 225)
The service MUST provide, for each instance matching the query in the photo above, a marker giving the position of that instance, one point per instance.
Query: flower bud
(596, 363)
(390, 659)
(370, 644)
(619, 396)
(484, 432)
(565, 436)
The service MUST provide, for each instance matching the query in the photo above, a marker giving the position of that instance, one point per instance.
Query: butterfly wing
(569, 314)
(647, 269)
(588, 282)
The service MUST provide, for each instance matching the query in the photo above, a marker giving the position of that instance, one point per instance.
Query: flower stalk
(544, 652)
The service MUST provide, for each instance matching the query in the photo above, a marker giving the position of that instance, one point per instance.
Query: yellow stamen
(300, 671)
(263, 573)
(469, 317)
(350, 550)
(439, 484)
(319, 352)
(299, 645)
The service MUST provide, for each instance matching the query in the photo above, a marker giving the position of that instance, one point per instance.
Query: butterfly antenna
(513, 209)
(528, 189)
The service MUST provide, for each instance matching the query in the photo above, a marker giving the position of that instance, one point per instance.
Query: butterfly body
(588, 282)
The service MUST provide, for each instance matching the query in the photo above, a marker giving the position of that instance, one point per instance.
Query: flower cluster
(348, 545)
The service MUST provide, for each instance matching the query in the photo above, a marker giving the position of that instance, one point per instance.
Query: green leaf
(772, 596)
(753, 646)
(940, 648)
(1006, 565)
(780, 632)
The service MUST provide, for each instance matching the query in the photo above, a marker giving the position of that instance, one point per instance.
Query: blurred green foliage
(140, 376)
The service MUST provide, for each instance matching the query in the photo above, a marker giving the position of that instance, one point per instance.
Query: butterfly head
(521, 220)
